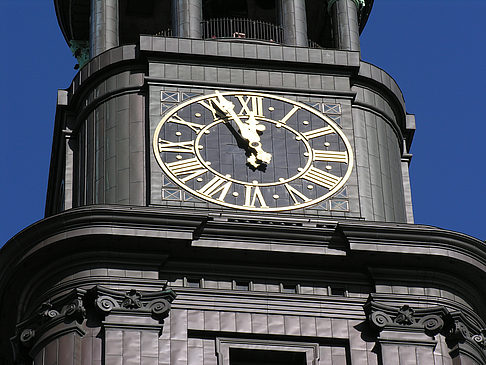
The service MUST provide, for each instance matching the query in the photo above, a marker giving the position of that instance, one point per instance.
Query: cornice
(347, 237)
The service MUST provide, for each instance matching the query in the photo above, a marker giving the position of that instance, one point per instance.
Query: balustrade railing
(164, 33)
(241, 28)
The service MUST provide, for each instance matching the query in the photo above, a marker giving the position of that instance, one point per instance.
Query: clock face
(253, 151)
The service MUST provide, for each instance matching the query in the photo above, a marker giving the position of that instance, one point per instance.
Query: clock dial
(253, 151)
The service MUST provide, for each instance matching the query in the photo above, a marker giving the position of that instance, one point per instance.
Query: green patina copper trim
(80, 50)
(359, 3)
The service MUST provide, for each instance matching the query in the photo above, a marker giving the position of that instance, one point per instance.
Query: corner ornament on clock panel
(253, 151)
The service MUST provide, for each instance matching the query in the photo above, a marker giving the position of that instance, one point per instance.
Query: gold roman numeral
(194, 126)
(318, 132)
(214, 106)
(179, 147)
(331, 156)
(251, 104)
(217, 184)
(289, 114)
(322, 178)
(252, 194)
(294, 193)
(191, 168)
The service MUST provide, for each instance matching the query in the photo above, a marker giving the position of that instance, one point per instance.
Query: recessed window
(143, 17)
(193, 283)
(266, 357)
(337, 290)
(233, 351)
(319, 26)
(289, 289)
(242, 285)
(264, 10)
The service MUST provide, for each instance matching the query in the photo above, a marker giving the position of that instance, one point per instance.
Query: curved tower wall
(127, 268)
(117, 99)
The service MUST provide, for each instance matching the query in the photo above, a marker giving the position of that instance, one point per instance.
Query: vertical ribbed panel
(346, 27)
(378, 164)
(187, 18)
(294, 22)
(103, 26)
(408, 192)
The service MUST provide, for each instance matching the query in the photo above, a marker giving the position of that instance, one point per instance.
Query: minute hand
(248, 131)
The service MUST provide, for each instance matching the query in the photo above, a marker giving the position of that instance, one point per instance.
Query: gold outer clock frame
(336, 129)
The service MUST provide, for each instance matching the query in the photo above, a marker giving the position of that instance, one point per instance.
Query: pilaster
(104, 26)
(346, 27)
(187, 17)
(294, 22)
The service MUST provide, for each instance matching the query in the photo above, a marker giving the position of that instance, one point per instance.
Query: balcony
(241, 28)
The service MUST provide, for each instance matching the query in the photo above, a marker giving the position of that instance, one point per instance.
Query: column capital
(359, 3)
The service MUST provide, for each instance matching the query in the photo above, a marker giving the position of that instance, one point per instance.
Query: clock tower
(229, 185)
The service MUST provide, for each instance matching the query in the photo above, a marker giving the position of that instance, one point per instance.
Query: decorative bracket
(381, 316)
(67, 313)
(460, 332)
(157, 304)
(80, 50)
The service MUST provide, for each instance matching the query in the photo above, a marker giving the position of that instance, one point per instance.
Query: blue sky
(434, 49)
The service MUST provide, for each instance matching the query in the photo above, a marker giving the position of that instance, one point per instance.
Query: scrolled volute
(160, 308)
(27, 337)
(432, 324)
(480, 338)
(75, 310)
(106, 304)
(379, 320)
(47, 312)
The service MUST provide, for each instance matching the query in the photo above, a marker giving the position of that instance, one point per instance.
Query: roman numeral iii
(318, 132)
(331, 156)
(322, 178)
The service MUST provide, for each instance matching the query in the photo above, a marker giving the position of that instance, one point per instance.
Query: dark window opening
(144, 17)
(319, 24)
(242, 285)
(336, 290)
(266, 357)
(289, 289)
(264, 10)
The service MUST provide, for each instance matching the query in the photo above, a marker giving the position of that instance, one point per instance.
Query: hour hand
(254, 141)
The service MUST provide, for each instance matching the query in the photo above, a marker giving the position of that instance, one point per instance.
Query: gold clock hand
(255, 143)
(228, 108)
(249, 130)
